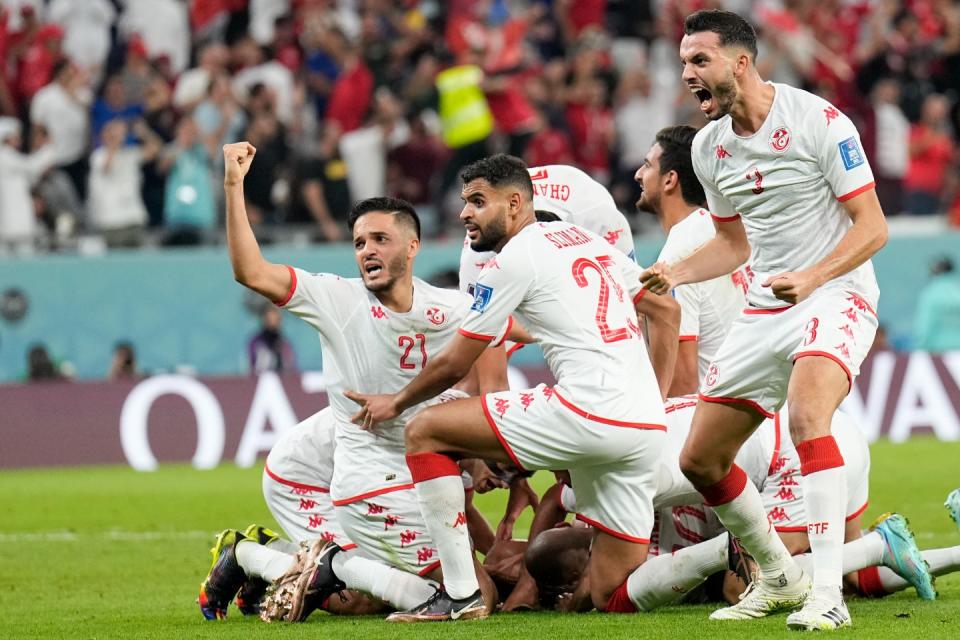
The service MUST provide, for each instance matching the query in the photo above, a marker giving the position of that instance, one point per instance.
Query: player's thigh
(458, 426)
(716, 435)
(817, 387)
(612, 560)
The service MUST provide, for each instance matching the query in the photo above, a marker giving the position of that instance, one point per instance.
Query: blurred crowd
(114, 111)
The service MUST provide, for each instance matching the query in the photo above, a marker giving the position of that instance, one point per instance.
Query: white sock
(664, 578)
(745, 518)
(442, 505)
(401, 589)
(941, 561)
(284, 545)
(857, 554)
(825, 499)
(262, 562)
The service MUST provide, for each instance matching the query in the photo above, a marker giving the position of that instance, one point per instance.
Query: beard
(489, 237)
(393, 270)
(648, 203)
(725, 94)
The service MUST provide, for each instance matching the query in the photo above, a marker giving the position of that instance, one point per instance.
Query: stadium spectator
(55, 199)
(268, 349)
(163, 26)
(161, 117)
(86, 25)
(193, 84)
(115, 206)
(189, 211)
(18, 174)
(892, 145)
(111, 105)
(137, 72)
(123, 363)
(41, 367)
(931, 157)
(937, 320)
(219, 116)
(258, 71)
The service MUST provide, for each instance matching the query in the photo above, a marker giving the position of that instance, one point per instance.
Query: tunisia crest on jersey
(780, 140)
(435, 315)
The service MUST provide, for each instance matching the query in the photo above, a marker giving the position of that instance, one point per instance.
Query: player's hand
(237, 158)
(792, 286)
(484, 479)
(658, 278)
(374, 409)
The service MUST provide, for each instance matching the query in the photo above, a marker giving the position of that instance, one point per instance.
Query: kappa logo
(789, 480)
(831, 113)
(613, 235)
(844, 351)
(540, 174)
(390, 521)
(526, 399)
(461, 520)
(374, 509)
(378, 312)
(315, 522)
(301, 491)
(722, 153)
(408, 537)
(436, 316)
(777, 514)
(501, 405)
(785, 494)
(306, 504)
(780, 140)
(424, 554)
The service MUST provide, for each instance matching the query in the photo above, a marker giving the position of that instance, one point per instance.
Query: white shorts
(782, 492)
(754, 363)
(680, 527)
(305, 512)
(613, 468)
(389, 528)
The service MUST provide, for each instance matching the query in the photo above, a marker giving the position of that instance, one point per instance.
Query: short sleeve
(322, 300)
(500, 288)
(839, 152)
(688, 297)
(721, 209)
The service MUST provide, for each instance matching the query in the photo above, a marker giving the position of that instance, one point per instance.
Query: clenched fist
(237, 158)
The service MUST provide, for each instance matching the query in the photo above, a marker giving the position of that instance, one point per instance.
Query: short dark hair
(732, 29)
(675, 145)
(543, 215)
(404, 211)
(500, 170)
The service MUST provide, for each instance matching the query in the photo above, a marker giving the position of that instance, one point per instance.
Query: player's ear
(516, 201)
(670, 180)
(413, 247)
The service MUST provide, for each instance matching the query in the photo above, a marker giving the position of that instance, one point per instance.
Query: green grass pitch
(110, 553)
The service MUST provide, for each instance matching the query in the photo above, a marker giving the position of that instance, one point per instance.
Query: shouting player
(784, 174)
(603, 420)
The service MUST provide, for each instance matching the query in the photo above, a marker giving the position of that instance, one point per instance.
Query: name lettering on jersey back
(572, 237)
(553, 191)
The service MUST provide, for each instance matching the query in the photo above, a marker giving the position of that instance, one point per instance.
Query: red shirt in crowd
(927, 170)
(351, 96)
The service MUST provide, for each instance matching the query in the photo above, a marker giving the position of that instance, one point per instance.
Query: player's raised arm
(249, 266)
(663, 334)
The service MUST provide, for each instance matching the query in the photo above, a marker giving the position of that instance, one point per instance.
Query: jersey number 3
(409, 343)
(580, 266)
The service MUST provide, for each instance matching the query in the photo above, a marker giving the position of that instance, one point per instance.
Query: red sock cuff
(619, 601)
(819, 454)
(427, 466)
(870, 585)
(726, 490)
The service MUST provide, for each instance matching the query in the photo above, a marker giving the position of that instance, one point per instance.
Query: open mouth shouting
(372, 268)
(707, 102)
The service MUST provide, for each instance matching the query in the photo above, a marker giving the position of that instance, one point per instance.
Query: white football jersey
(576, 198)
(574, 293)
(707, 309)
(787, 181)
(370, 349)
(304, 453)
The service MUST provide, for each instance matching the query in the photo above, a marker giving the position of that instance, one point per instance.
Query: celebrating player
(603, 420)
(376, 331)
(784, 173)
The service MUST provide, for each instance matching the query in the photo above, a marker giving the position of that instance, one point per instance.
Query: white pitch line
(116, 535)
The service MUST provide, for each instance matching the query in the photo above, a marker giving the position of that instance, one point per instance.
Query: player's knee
(697, 469)
(808, 421)
(418, 435)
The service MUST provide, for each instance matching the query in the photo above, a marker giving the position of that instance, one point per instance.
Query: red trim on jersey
(347, 547)
(291, 483)
(615, 534)
(856, 192)
(427, 569)
(293, 288)
(725, 219)
(505, 333)
(516, 346)
(726, 489)
(613, 423)
(776, 444)
(846, 369)
(639, 295)
(475, 336)
(689, 338)
(496, 432)
(750, 403)
(751, 311)
(857, 512)
(373, 494)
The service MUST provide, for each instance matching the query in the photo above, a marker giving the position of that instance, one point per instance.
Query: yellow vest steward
(464, 112)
